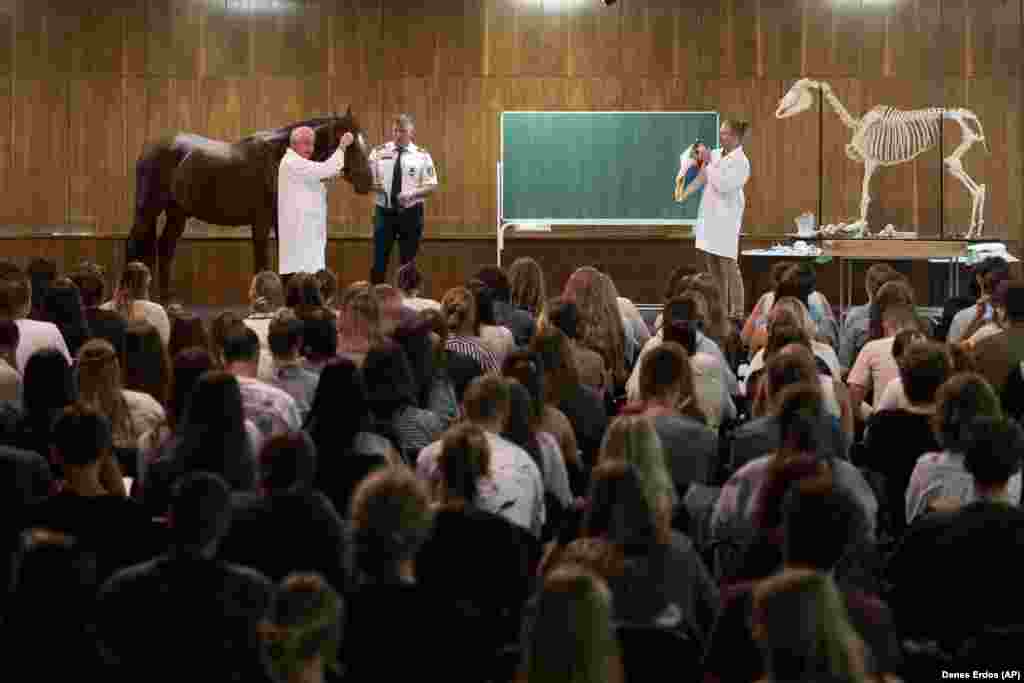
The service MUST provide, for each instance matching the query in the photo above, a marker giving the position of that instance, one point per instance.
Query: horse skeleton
(886, 136)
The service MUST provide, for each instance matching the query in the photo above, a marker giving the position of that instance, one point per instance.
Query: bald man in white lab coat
(302, 203)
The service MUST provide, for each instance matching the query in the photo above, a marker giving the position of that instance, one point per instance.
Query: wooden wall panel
(595, 37)
(43, 34)
(981, 38)
(174, 33)
(38, 191)
(6, 147)
(461, 37)
(226, 49)
(833, 36)
(98, 194)
(648, 38)
(290, 41)
(7, 26)
(97, 38)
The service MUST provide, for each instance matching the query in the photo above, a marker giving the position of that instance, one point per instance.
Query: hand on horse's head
(347, 139)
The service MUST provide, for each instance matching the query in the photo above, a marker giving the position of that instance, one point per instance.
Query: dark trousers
(404, 225)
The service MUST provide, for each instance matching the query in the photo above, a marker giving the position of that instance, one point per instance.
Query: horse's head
(799, 99)
(357, 165)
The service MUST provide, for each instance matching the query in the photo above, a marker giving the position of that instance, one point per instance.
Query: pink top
(875, 367)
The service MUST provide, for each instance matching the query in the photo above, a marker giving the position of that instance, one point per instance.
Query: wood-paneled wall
(83, 85)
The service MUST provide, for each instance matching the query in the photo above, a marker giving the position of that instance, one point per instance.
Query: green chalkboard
(598, 168)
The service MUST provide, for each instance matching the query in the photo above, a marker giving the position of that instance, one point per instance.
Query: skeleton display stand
(886, 136)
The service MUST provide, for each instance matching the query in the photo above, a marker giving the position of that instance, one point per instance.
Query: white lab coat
(302, 211)
(721, 206)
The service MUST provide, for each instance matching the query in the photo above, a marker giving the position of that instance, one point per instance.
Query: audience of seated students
(519, 322)
(303, 632)
(33, 335)
(63, 307)
(581, 405)
(459, 311)
(527, 290)
(390, 519)
(145, 364)
(586, 651)
(808, 507)
(790, 365)
(515, 489)
(270, 408)
(101, 520)
(940, 478)
(855, 333)
(131, 300)
(875, 366)
(963, 553)
(10, 379)
(358, 323)
(800, 447)
(410, 282)
(508, 476)
(467, 595)
(288, 525)
(986, 274)
(287, 372)
(495, 337)
(266, 297)
(669, 401)
(212, 437)
(347, 449)
(208, 609)
(599, 322)
(392, 399)
(102, 323)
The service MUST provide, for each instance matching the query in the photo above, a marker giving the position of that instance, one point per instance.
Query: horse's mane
(284, 133)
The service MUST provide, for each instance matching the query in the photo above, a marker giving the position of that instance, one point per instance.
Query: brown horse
(224, 183)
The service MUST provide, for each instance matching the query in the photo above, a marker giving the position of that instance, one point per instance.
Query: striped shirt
(474, 348)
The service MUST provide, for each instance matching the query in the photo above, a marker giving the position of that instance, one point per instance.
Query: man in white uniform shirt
(403, 174)
(723, 174)
(302, 203)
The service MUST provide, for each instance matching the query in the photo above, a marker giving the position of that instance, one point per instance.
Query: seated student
(799, 415)
(287, 373)
(483, 593)
(132, 301)
(303, 632)
(800, 282)
(708, 379)
(940, 477)
(10, 378)
(409, 281)
(923, 369)
(264, 527)
(33, 335)
(270, 408)
(758, 318)
(208, 609)
(998, 357)
(854, 333)
(391, 519)
(589, 363)
(962, 554)
(820, 526)
(790, 365)
(518, 321)
(792, 311)
(114, 527)
(894, 397)
(875, 366)
(986, 275)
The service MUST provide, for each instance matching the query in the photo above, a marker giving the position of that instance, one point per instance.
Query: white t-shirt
(35, 335)
(150, 311)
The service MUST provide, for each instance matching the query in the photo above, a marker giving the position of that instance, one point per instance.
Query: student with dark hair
(998, 358)
(519, 322)
(271, 409)
(43, 273)
(411, 283)
(208, 608)
(146, 367)
(10, 378)
(319, 337)
(34, 335)
(391, 397)
(83, 508)
(986, 275)
(589, 364)
(103, 323)
(289, 525)
(945, 553)
(62, 306)
(287, 373)
(304, 630)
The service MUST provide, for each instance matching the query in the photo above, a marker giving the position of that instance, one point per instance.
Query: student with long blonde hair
(131, 300)
(600, 323)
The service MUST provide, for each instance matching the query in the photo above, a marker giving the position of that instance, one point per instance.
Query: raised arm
(320, 170)
(728, 174)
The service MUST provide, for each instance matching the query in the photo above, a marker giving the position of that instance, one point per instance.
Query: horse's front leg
(177, 219)
(260, 246)
(141, 245)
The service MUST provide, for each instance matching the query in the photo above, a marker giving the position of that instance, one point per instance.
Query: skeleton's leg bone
(956, 169)
(865, 197)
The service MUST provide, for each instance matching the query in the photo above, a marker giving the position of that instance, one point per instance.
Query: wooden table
(845, 251)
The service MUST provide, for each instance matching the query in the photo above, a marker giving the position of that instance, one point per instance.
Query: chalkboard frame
(545, 224)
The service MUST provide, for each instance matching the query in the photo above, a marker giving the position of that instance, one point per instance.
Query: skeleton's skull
(799, 99)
